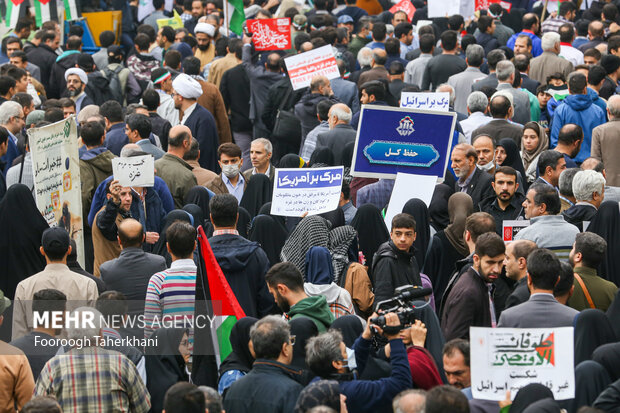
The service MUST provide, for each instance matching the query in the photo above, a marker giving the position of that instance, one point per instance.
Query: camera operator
(326, 356)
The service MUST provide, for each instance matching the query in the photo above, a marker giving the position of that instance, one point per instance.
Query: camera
(403, 305)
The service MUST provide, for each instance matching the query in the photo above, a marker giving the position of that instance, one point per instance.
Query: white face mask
(230, 170)
(487, 167)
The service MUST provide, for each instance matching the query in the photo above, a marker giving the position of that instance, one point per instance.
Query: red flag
(271, 34)
(406, 6)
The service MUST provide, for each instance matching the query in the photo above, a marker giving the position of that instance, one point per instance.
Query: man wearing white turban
(204, 35)
(185, 92)
(77, 79)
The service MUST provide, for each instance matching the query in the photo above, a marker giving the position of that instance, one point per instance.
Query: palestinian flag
(215, 298)
(72, 11)
(234, 16)
(45, 10)
(14, 10)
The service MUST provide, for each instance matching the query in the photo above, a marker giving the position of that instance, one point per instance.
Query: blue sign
(391, 140)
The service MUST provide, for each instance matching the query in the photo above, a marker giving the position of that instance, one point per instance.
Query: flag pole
(226, 18)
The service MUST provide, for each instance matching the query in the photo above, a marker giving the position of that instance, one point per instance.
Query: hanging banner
(56, 170)
(317, 62)
(271, 34)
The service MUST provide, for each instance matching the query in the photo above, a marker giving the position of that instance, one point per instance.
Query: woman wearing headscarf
(438, 208)
(613, 314)
(302, 328)
(590, 380)
(320, 281)
(321, 393)
(165, 363)
(270, 235)
(533, 142)
(322, 157)
(342, 246)
(592, 330)
(606, 223)
(608, 356)
(199, 195)
(335, 217)
(418, 210)
(243, 222)
(291, 161)
(507, 154)
(371, 231)
(312, 231)
(196, 212)
(347, 160)
(256, 194)
(528, 395)
(239, 361)
(448, 246)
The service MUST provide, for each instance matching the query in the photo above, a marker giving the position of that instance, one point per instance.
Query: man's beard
(283, 303)
(204, 47)
(464, 172)
(74, 92)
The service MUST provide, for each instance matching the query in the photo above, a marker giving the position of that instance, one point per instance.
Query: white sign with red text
(318, 62)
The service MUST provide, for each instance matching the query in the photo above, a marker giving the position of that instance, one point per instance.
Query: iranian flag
(215, 298)
(45, 10)
(14, 10)
(234, 15)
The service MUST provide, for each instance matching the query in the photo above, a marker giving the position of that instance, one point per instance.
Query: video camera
(402, 305)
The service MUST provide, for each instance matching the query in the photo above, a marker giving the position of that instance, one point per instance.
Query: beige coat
(547, 64)
(606, 147)
(16, 381)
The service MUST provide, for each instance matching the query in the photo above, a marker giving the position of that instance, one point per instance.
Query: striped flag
(14, 10)
(72, 12)
(234, 16)
(45, 10)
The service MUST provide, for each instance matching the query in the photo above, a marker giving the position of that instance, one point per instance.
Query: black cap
(55, 241)
(115, 50)
(85, 61)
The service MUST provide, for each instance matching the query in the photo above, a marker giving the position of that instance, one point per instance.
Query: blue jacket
(597, 100)
(536, 43)
(12, 152)
(116, 138)
(580, 110)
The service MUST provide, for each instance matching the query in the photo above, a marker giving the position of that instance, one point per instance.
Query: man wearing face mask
(485, 149)
(230, 180)
(77, 80)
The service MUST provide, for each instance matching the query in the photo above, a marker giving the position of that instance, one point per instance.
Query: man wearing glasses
(12, 119)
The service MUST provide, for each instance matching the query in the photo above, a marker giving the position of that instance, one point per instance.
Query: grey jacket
(521, 103)
(461, 82)
(540, 311)
(551, 232)
(336, 139)
(346, 91)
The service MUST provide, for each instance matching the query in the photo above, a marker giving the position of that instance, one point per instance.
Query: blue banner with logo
(391, 140)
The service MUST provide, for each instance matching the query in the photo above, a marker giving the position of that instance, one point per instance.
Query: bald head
(339, 114)
(320, 85)
(273, 63)
(596, 29)
(613, 106)
(305, 47)
(129, 149)
(179, 135)
(379, 57)
(130, 233)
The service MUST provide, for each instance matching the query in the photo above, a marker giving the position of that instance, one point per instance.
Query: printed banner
(175, 21)
(303, 67)
(406, 6)
(505, 359)
(484, 4)
(391, 140)
(271, 34)
(136, 171)
(56, 169)
(315, 191)
(510, 229)
(420, 100)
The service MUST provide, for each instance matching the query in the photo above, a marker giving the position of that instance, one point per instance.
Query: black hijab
(347, 154)
(199, 195)
(438, 208)
(613, 314)
(291, 161)
(547, 405)
(243, 223)
(303, 329)
(351, 328)
(280, 220)
(21, 228)
(513, 158)
(371, 230)
(418, 210)
(608, 356)
(590, 380)
(173, 216)
(256, 194)
(240, 359)
(592, 330)
(528, 395)
(322, 157)
(270, 235)
(196, 212)
(434, 336)
(164, 364)
(336, 217)
(606, 223)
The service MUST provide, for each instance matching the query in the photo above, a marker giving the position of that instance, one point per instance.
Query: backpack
(116, 91)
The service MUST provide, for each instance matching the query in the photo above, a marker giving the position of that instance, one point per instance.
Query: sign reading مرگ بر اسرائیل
(391, 140)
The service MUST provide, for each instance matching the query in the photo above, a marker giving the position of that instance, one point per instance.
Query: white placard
(136, 171)
(421, 100)
(317, 62)
(312, 190)
(504, 359)
(511, 228)
(409, 186)
(443, 8)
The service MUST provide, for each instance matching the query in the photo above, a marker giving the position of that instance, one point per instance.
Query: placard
(505, 359)
(138, 171)
(312, 190)
(406, 6)
(510, 229)
(304, 66)
(270, 34)
(391, 140)
(421, 100)
(409, 186)
(56, 171)
(443, 8)
(175, 21)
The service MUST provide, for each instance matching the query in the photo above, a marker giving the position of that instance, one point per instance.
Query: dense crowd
(534, 88)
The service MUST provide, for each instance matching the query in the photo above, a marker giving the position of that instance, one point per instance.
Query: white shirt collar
(254, 172)
(187, 112)
(183, 263)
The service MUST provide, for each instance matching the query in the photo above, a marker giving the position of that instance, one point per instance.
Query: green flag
(235, 16)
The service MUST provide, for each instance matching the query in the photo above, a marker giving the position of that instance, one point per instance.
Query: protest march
(310, 206)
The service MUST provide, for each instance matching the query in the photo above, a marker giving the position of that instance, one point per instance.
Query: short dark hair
(150, 98)
(566, 7)
(142, 41)
(379, 31)
(523, 248)
(427, 41)
(92, 133)
(402, 29)
(592, 248)
(613, 43)
(506, 170)
(446, 399)
(577, 82)
(455, 22)
(546, 194)
(457, 344)
(41, 404)
(24, 99)
(499, 106)
(489, 244)
(548, 158)
(593, 52)
(16, 73)
(53, 114)
(140, 123)
(529, 20)
(485, 23)
(287, 274)
(229, 149)
(521, 62)
(596, 74)
(479, 223)
(396, 67)
(107, 38)
(67, 103)
(403, 220)
(374, 88)
(181, 238)
(184, 397)
(127, 241)
(543, 267)
(570, 133)
(194, 151)
(172, 59)
(74, 42)
(496, 56)
(6, 83)
(556, 76)
(112, 111)
(169, 33)
(48, 35)
(567, 31)
(112, 303)
(449, 40)
(20, 54)
(191, 65)
(323, 107)
(567, 278)
(392, 46)
(48, 300)
(224, 210)
(268, 335)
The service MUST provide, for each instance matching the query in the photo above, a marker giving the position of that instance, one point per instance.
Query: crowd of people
(536, 95)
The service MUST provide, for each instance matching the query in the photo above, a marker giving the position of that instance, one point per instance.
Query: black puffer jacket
(393, 268)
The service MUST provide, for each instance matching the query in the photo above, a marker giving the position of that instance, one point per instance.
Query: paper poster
(509, 358)
(304, 66)
(56, 170)
(314, 190)
(409, 186)
(138, 171)
(406, 6)
(422, 100)
(484, 4)
(175, 21)
(443, 8)
(271, 34)
(510, 229)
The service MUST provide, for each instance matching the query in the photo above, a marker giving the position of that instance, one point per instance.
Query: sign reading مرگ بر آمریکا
(314, 190)
(270, 34)
(507, 359)
(391, 140)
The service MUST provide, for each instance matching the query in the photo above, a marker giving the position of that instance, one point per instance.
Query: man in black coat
(131, 271)
(394, 264)
(506, 203)
(67, 60)
(500, 127)
(471, 180)
(44, 55)
(469, 302)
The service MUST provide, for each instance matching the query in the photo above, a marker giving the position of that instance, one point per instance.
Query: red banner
(406, 6)
(484, 4)
(271, 34)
